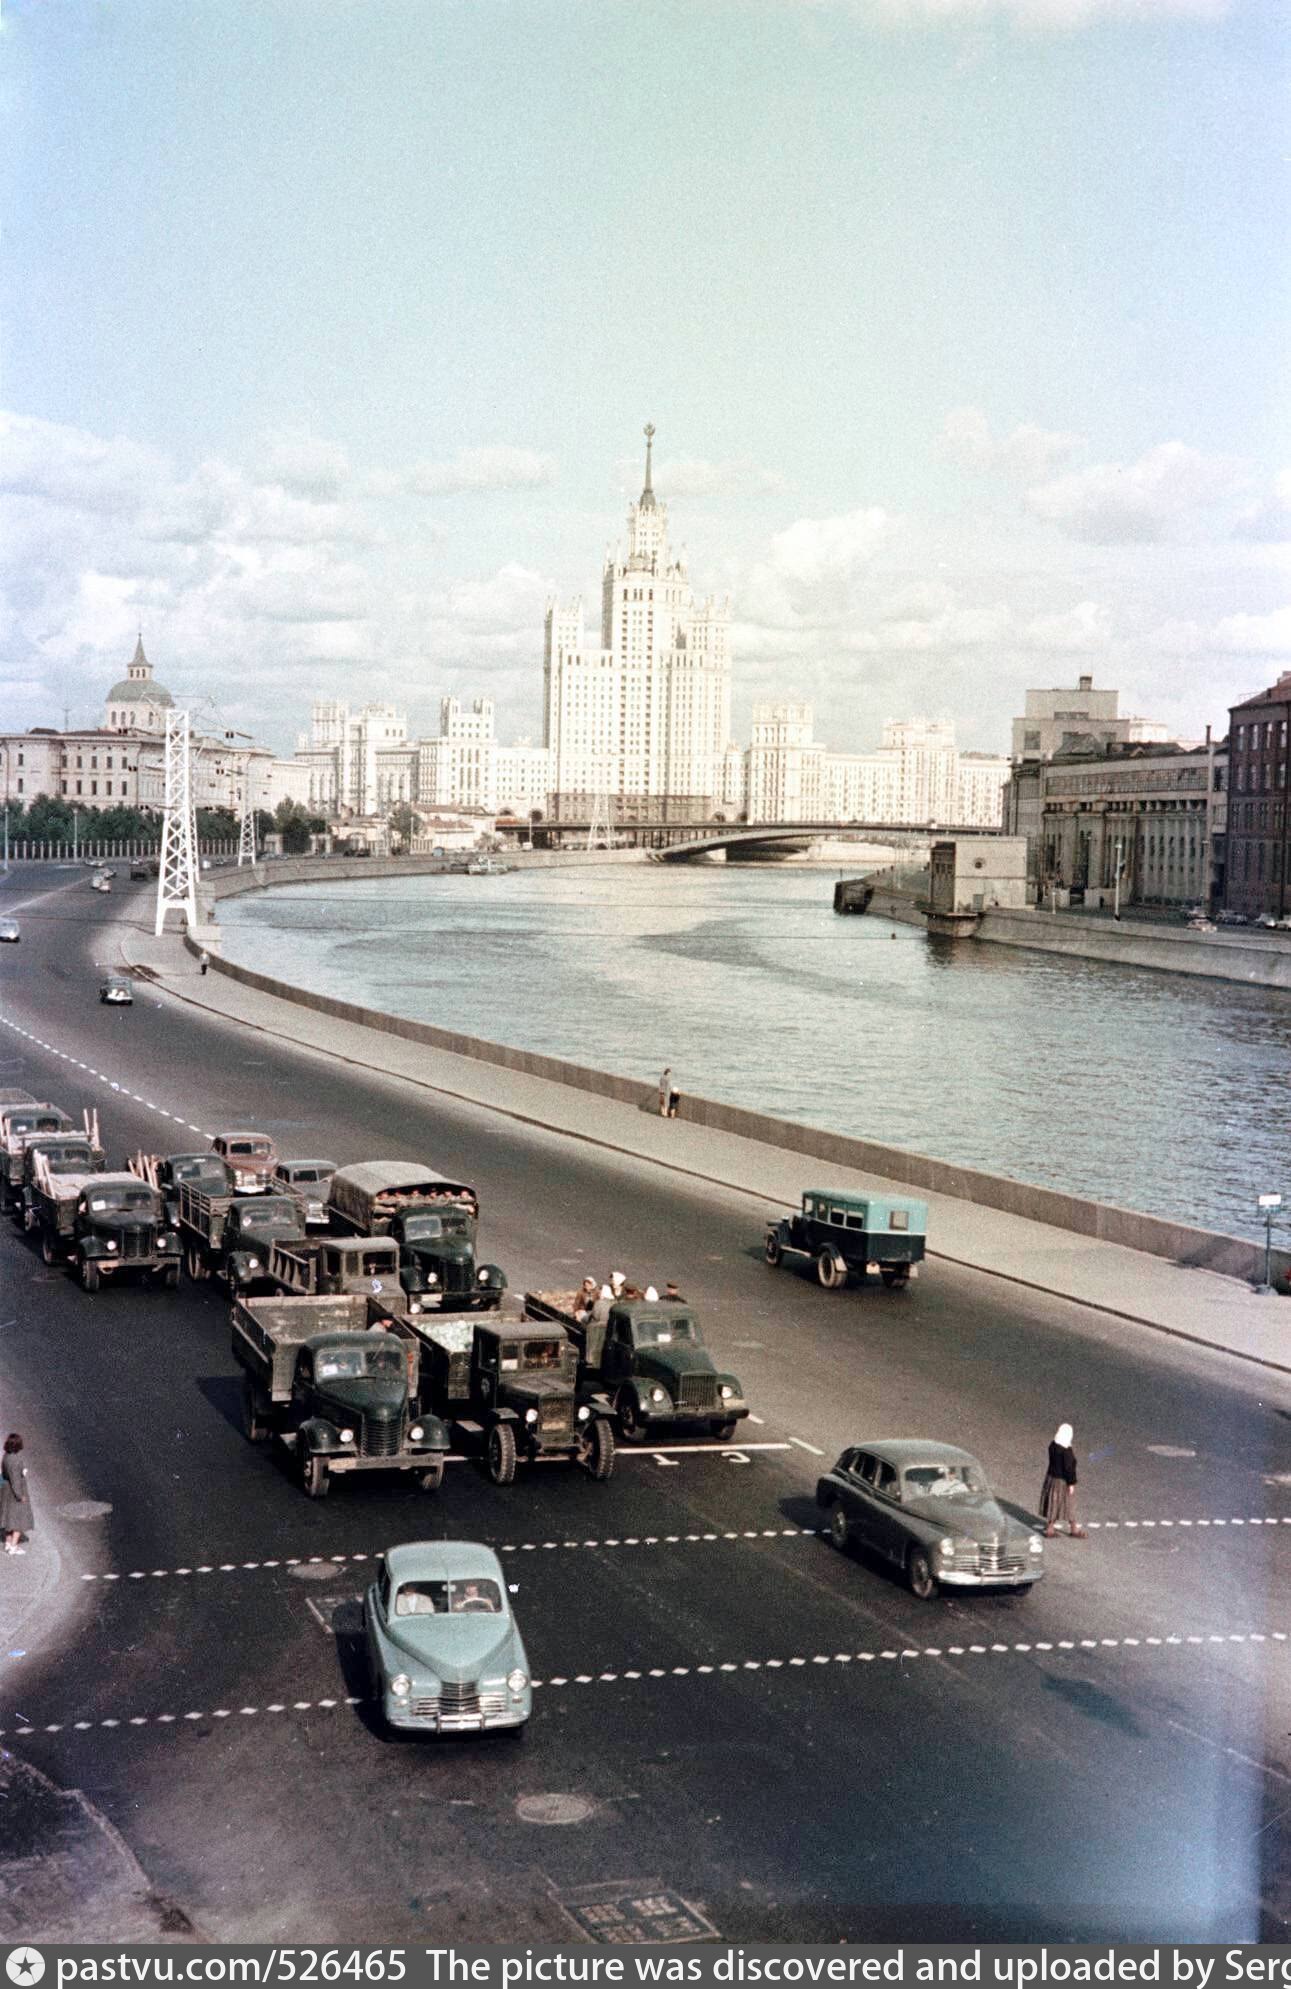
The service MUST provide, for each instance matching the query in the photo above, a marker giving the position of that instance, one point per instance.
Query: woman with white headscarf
(1058, 1493)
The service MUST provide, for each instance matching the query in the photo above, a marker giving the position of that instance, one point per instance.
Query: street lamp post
(1116, 881)
(1269, 1206)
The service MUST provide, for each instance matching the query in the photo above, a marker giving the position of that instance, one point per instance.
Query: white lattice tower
(247, 837)
(177, 878)
(600, 824)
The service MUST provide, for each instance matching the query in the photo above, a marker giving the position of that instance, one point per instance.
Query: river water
(1157, 1091)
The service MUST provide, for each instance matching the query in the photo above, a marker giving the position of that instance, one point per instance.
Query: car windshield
(943, 1481)
(456, 1598)
(70, 1160)
(197, 1170)
(117, 1201)
(542, 1353)
(253, 1149)
(350, 1363)
(417, 1228)
(271, 1215)
(662, 1332)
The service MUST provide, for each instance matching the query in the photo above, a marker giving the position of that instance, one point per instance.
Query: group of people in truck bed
(592, 1301)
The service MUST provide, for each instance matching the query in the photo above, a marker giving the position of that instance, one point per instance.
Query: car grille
(136, 1243)
(697, 1391)
(998, 1560)
(382, 1436)
(459, 1707)
(556, 1419)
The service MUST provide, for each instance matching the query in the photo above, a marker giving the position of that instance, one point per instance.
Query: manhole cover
(1170, 1450)
(314, 1571)
(84, 1509)
(555, 1809)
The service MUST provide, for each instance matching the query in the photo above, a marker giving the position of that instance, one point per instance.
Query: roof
(374, 1177)
(138, 690)
(119, 1180)
(904, 1451)
(852, 1198)
(284, 1164)
(655, 1308)
(442, 1560)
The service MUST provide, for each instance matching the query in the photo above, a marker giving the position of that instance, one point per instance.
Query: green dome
(139, 690)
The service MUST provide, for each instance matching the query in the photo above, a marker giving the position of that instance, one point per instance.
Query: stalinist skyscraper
(644, 719)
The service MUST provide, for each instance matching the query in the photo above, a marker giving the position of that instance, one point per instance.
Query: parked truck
(232, 1236)
(18, 1123)
(326, 1265)
(107, 1225)
(648, 1357)
(509, 1391)
(62, 1153)
(321, 1376)
(165, 1172)
(433, 1220)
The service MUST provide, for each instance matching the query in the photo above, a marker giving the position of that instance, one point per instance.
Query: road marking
(810, 1447)
(824, 1660)
(113, 1084)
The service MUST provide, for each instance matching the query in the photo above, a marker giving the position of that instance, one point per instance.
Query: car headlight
(946, 1546)
(416, 1433)
(1035, 1545)
(253, 1263)
(346, 1436)
(656, 1395)
(432, 1277)
(414, 1307)
(401, 1685)
(111, 1244)
(483, 1278)
(531, 1415)
(584, 1413)
(725, 1392)
(516, 1682)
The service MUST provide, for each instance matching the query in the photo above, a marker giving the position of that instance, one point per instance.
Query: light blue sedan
(444, 1651)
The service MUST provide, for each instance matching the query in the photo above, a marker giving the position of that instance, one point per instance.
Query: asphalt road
(738, 1729)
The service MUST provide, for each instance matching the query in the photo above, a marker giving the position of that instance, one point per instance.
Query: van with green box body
(850, 1235)
(432, 1218)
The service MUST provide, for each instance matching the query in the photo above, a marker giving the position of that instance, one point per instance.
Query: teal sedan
(444, 1650)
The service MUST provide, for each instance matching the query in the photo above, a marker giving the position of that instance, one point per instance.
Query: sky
(328, 330)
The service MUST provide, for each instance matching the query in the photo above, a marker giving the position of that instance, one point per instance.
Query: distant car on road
(9, 932)
(1232, 918)
(117, 990)
(307, 1182)
(444, 1650)
(928, 1508)
(250, 1159)
(849, 1235)
(139, 872)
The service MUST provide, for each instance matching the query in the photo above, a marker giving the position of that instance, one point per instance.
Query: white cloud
(306, 465)
(1027, 453)
(68, 466)
(1085, 627)
(1156, 498)
(496, 468)
(1256, 635)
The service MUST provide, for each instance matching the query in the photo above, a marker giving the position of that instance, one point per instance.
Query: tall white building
(784, 765)
(645, 718)
(917, 777)
(360, 763)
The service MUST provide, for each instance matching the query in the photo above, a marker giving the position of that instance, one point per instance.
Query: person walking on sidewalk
(15, 1497)
(203, 961)
(665, 1091)
(1058, 1493)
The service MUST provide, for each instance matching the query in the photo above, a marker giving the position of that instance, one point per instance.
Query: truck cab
(18, 1123)
(350, 1404)
(437, 1260)
(61, 1153)
(325, 1266)
(250, 1159)
(119, 1227)
(650, 1358)
(852, 1235)
(204, 1171)
(513, 1389)
(251, 1229)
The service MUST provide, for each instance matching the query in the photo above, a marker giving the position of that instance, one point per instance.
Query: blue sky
(330, 326)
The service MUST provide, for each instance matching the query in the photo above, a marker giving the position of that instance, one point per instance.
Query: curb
(698, 1174)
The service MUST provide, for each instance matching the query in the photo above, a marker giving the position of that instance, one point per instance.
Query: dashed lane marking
(77, 1063)
(737, 1534)
(633, 1675)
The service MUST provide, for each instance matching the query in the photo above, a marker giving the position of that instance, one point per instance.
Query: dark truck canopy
(379, 1189)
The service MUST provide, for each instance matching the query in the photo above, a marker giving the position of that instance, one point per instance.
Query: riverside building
(1258, 879)
(640, 723)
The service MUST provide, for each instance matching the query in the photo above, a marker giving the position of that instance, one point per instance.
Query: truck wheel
(631, 1427)
(772, 1250)
(919, 1574)
(195, 1264)
(599, 1458)
(895, 1276)
(839, 1532)
(46, 1249)
(28, 1218)
(502, 1454)
(89, 1275)
(314, 1475)
(831, 1271)
(170, 1277)
(432, 1477)
(723, 1431)
(255, 1426)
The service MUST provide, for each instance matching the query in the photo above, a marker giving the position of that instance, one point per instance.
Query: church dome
(138, 687)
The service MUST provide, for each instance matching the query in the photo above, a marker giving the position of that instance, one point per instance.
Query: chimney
(1085, 684)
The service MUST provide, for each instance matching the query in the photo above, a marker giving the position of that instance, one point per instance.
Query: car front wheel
(90, 1275)
(773, 1250)
(831, 1271)
(631, 1427)
(502, 1454)
(919, 1574)
(314, 1475)
(839, 1531)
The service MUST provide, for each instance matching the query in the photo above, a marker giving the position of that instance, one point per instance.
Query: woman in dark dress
(15, 1499)
(1058, 1493)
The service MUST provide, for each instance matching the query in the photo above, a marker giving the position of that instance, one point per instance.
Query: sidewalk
(1193, 1305)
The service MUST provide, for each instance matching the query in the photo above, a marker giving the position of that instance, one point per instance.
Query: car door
(890, 1527)
(858, 1496)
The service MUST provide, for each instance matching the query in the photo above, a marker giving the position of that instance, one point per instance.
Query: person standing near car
(1058, 1493)
(15, 1497)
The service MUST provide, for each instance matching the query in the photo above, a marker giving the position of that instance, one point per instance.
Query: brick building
(1258, 879)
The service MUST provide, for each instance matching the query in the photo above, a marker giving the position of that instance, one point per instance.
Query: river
(1160, 1092)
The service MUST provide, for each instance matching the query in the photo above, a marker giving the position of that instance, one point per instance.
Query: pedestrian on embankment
(665, 1091)
(1058, 1493)
(15, 1496)
(203, 961)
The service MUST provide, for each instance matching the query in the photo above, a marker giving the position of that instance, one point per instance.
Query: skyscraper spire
(647, 493)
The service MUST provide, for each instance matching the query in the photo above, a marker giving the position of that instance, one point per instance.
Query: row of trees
(51, 819)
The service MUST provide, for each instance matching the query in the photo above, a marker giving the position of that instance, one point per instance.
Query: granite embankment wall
(341, 869)
(1262, 959)
(1178, 1242)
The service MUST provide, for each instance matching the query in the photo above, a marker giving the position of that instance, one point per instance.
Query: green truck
(336, 1387)
(231, 1236)
(18, 1123)
(327, 1265)
(432, 1218)
(64, 1153)
(510, 1392)
(648, 1357)
(110, 1226)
